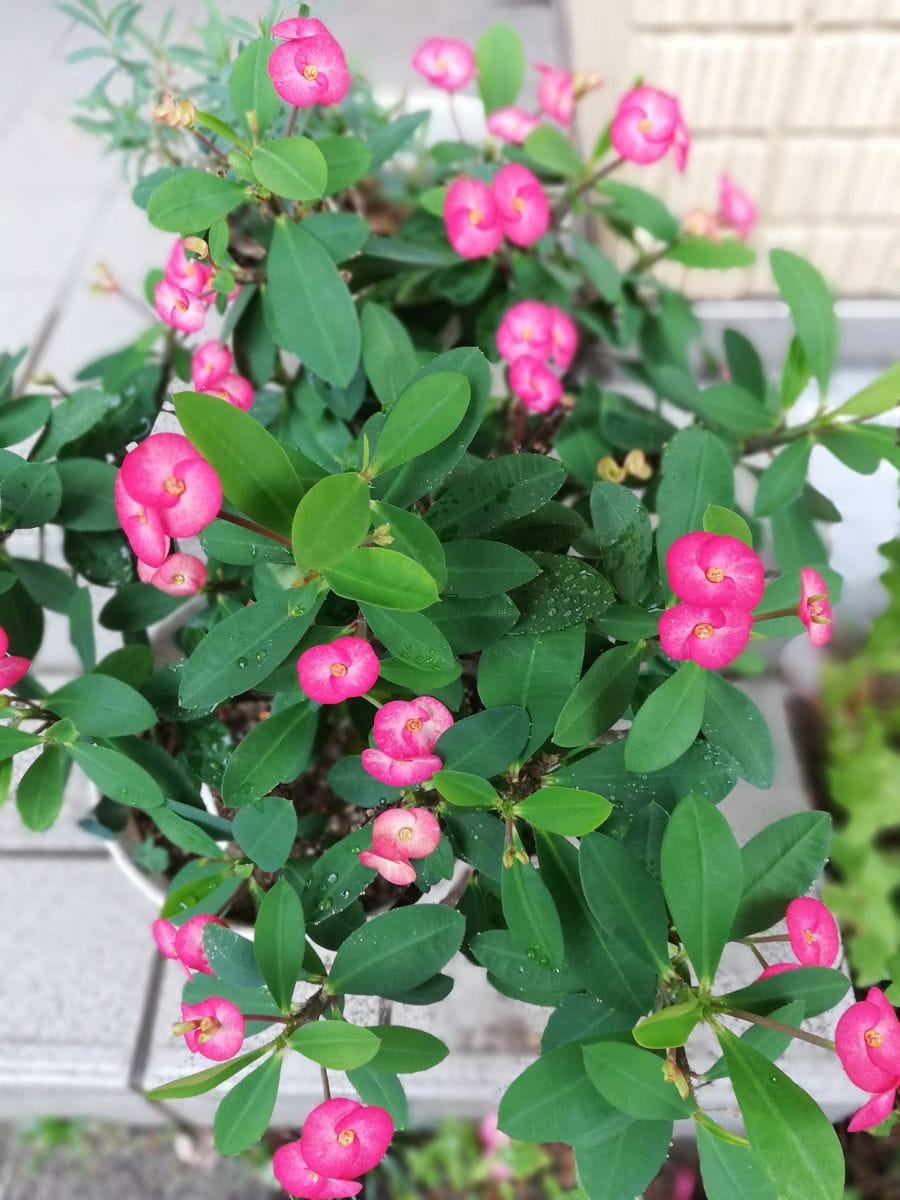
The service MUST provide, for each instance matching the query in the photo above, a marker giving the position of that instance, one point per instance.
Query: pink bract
(471, 218)
(309, 68)
(448, 63)
(814, 609)
(522, 204)
(736, 209)
(343, 1139)
(867, 1040)
(713, 637)
(166, 473)
(12, 668)
(813, 932)
(396, 871)
(494, 1139)
(526, 328)
(878, 1109)
(178, 575)
(142, 525)
(400, 772)
(337, 670)
(646, 125)
(164, 935)
(189, 942)
(512, 124)
(177, 308)
(234, 388)
(534, 384)
(220, 1030)
(187, 273)
(291, 1171)
(563, 338)
(710, 568)
(210, 363)
(407, 728)
(778, 969)
(556, 93)
(405, 833)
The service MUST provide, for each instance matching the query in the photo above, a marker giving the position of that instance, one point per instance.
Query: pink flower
(867, 1040)
(234, 388)
(512, 124)
(213, 1028)
(407, 728)
(188, 942)
(735, 207)
(698, 223)
(778, 969)
(177, 308)
(647, 124)
(397, 836)
(525, 329)
(563, 338)
(446, 62)
(400, 772)
(556, 93)
(534, 384)
(179, 574)
(167, 474)
(187, 273)
(12, 666)
(210, 363)
(711, 636)
(492, 1140)
(471, 218)
(813, 932)
(337, 670)
(815, 607)
(291, 1171)
(309, 68)
(164, 934)
(343, 1139)
(522, 204)
(142, 526)
(712, 568)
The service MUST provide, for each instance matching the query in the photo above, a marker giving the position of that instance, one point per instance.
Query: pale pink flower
(188, 273)
(177, 308)
(178, 575)
(297, 1179)
(521, 203)
(698, 223)
(512, 124)
(12, 666)
(448, 63)
(814, 609)
(647, 125)
(142, 525)
(563, 338)
(471, 218)
(813, 932)
(712, 568)
(407, 728)
(397, 836)
(344, 1139)
(493, 1139)
(209, 363)
(164, 935)
(213, 1028)
(165, 473)
(711, 636)
(309, 68)
(556, 93)
(189, 942)
(400, 772)
(867, 1040)
(337, 670)
(234, 388)
(526, 328)
(736, 209)
(534, 384)
(681, 145)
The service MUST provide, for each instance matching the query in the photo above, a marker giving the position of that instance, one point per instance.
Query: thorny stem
(778, 1027)
(254, 527)
(268, 1018)
(326, 1086)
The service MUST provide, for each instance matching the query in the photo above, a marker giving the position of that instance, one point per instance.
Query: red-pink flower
(400, 772)
(164, 934)
(521, 203)
(142, 525)
(407, 728)
(534, 384)
(448, 63)
(512, 124)
(556, 93)
(471, 218)
(778, 969)
(713, 637)
(188, 942)
(736, 209)
(647, 124)
(165, 473)
(397, 836)
(343, 1139)
(309, 68)
(179, 309)
(563, 338)
(337, 670)
(179, 574)
(213, 1028)
(712, 568)
(12, 666)
(187, 273)
(867, 1040)
(209, 363)
(815, 607)
(526, 329)
(291, 1171)
(813, 932)
(234, 388)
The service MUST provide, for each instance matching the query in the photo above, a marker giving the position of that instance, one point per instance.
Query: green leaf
(482, 568)
(500, 59)
(530, 914)
(412, 638)
(709, 255)
(601, 697)
(331, 520)
(697, 471)
(21, 418)
(521, 976)
(621, 1156)
(731, 720)
(411, 536)
(340, 234)
(622, 528)
(316, 316)
(204, 1081)
(807, 296)
(779, 863)
(185, 834)
(791, 1137)
(14, 740)
(371, 575)
(102, 706)
(137, 606)
(465, 790)
(347, 159)
(797, 541)
(566, 593)
(631, 1080)
(668, 721)
(567, 811)
(273, 752)
(553, 151)
(625, 900)
(633, 206)
(599, 268)
(39, 794)
(231, 957)
(250, 87)
(879, 396)
(381, 1089)
(795, 374)
(87, 494)
(266, 830)
(723, 521)
(241, 547)
(336, 1045)
(255, 473)
(783, 479)
(279, 941)
(731, 1172)
(244, 1115)
(191, 200)
(769, 1042)
(486, 743)
(817, 988)
(30, 495)
(423, 415)
(388, 354)
(405, 1051)
(293, 167)
(494, 493)
(116, 776)
(670, 1026)
(552, 1100)
(396, 951)
(745, 367)
(701, 877)
(732, 408)
(337, 877)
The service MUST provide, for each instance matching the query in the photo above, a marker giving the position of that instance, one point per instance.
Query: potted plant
(428, 648)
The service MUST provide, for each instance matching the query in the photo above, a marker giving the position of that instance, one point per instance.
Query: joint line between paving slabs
(141, 1054)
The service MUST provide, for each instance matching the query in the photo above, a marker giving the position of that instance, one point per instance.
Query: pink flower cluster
(867, 1040)
(338, 670)
(397, 836)
(530, 335)
(647, 124)
(184, 943)
(183, 295)
(478, 216)
(405, 734)
(164, 490)
(340, 1140)
(212, 374)
(309, 66)
(813, 934)
(12, 666)
(737, 213)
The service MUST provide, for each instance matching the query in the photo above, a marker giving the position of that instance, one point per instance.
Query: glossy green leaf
(696, 471)
(412, 638)
(879, 396)
(634, 206)
(818, 989)
(330, 521)
(266, 830)
(723, 521)
(668, 721)
(464, 790)
(137, 606)
(87, 494)
(371, 575)
(382, 1089)
(473, 624)
(494, 493)
(424, 414)
(625, 900)
(621, 1156)
(807, 296)
(347, 159)
(293, 167)
(30, 495)
(731, 720)
(203, 1081)
(241, 547)
(396, 951)
(388, 354)
(231, 957)
(731, 1172)
(191, 200)
(780, 862)
(273, 752)
(116, 776)
(783, 479)
(337, 876)
(244, 1115)
(336, 1045)
(521, 976)
(185, 834)
(530, 914)
(601, 697)
(566, 593)
(411, 536)
(628, 623)
(14, 740)
(769, 1042)
(485, 744)
(279, 942)
(631, 1080)
(552, 1100)
(39, 793)
(622, 528)
(102, 706)
(500, 59)
(253, 98)
(718, 255)
(732, 408)
(796, 539)
(552, 150)
(567, 811)
(340, 234)
(669, 1027)
(476, 567)
(405, 1051)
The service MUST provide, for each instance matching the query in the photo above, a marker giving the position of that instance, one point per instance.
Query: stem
(267, 1018)
(326, 1086)
(778, 1027)
(770, 937)
(201, 137)
(759, 958)
(781, 436)
(771, 616)
(597, 176)
(371, 699)
(457, 125)
(254, 527)
(292, 123)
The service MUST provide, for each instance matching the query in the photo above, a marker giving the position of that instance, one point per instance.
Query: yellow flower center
(873, 1038)
(644, 125)
(310, 72)
(141, 515)
(715, 574)
(527, 333)
(809, 937)
(178, 579)
(209, 1027)
(346, 1137)
(338, 669)
(181, 305)
(405, 834)
(413, 725)
(474, 216)
(174, 487)
(518, 204)
(703, 630)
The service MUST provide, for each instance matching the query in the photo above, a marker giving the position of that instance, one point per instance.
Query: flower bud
(673, 1074)
(381, 535)
(586, 81)
(197, 246)
(636, 464)
(178, 114)
(609, 469)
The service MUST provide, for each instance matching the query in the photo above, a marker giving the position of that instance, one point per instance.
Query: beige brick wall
(798, 99)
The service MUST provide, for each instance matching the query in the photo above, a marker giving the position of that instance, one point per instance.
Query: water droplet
(354, 849)
(331, 878)
(324, 905)
(241, 662)
(262, 655)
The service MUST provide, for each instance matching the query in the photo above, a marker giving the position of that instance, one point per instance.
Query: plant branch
(778, 1027)
(244, 523)
(763, 962)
